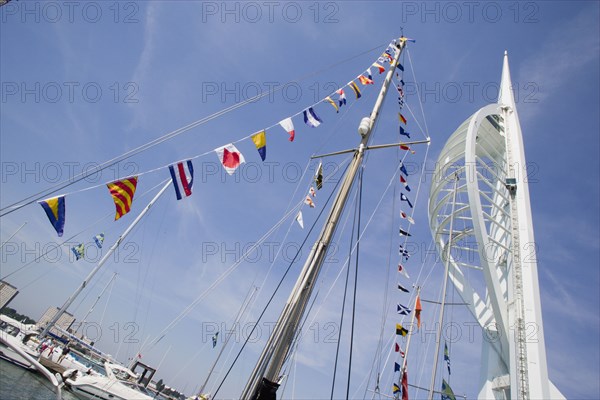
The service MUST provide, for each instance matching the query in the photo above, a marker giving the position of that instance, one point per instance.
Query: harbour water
(17, 383)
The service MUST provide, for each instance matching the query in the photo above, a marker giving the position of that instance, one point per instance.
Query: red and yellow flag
(365, 81)
(122, 193)
(401, 118)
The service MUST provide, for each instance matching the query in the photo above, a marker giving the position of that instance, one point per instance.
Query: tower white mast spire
(529, 372)
(488, 150)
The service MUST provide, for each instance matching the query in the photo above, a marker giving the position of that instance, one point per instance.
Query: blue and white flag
(99, 240)
(404, 198)
(182, 181)
(342, 97)
(404, 133)
(311, 119)
(403, 169)
(405, 290)
(447, 356)
(404, 253)
(402, 310)
(79, 251)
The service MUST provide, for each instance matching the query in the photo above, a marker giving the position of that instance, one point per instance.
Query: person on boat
(64, 353)
(51, 350)
(44, 345)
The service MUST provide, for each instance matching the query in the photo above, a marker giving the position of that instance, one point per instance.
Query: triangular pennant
(379, 67)
(405, 183)
(330, 101)
(308, 201)
(99, 240)
(319, 176)
(402, 270)
(260, 141)
(299, 219)
(407, 217)
(405, 290)
(55, 210)
(79, 251)
(405, 385)
(404, 133)
(447, 356)
(365, 81)
(447, 393)
(405, 147)
(404, 198)
(355, 88)
(288, 125)
(418, 310)
(404, 233)
(403, 169)
(341, 97)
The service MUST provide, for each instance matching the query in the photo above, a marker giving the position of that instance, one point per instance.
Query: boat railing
(56, 380)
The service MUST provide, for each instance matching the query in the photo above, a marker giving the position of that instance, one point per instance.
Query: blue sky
(86, 82)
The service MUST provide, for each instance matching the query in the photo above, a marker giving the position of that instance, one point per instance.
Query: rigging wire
(337, 349)
(277, 287)
(359, 206)
(412, 69)
(76, 178)
(43, 254)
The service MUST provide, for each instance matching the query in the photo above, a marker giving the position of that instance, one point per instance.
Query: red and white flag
(407, 217)
(405, 183)
(230, 157)
(308, 201)
(402, 270)
(288, 125)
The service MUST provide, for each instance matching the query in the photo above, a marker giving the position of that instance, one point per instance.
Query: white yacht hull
(10, 355)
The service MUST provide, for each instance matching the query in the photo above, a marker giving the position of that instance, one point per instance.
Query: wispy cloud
(567, 49)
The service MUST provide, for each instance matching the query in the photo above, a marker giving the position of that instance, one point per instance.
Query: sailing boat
(267, 376)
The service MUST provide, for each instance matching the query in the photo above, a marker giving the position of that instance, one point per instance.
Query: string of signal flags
(181, 172)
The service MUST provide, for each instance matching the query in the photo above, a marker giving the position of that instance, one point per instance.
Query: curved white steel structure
(492, 252)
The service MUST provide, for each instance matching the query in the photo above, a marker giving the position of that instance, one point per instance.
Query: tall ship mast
(264, 380)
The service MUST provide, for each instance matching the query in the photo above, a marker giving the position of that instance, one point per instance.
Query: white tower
(492, 253)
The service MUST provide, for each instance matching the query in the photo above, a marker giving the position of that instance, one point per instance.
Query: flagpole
(412, 324)
(444, 287)
(110, 251)
(265, 379)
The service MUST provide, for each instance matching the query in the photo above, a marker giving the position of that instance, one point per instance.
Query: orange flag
(418, 309)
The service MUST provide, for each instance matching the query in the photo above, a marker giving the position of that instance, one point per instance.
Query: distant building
(7, 293)
(64, 322)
